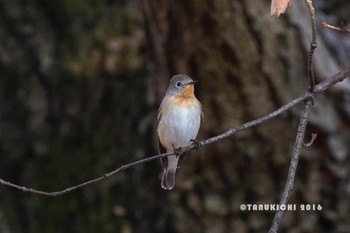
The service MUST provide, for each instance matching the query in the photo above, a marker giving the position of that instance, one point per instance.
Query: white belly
(179, 126)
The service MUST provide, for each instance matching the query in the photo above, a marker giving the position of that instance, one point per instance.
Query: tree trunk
(80, 84)
(249, 64)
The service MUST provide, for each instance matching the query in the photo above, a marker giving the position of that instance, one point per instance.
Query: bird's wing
(202, 113)
(161, 149)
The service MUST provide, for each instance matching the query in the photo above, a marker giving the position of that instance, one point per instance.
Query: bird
(178, 122)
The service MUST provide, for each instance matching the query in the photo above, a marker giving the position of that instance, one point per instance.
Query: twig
(293, 164)
(70, 189)
(299, 141)
(327, 83)
(303, 121)
(341, 28)
(321, 87)
(313, 138)
(313, 45)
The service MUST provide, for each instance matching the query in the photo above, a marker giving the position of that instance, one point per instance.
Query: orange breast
(187, 92)
(184, 97)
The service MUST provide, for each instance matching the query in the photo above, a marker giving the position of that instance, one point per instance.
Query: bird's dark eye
(178, 84)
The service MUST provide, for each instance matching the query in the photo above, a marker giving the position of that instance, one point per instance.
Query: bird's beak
(192, 82)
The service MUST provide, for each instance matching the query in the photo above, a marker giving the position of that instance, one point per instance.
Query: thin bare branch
(313, 45)
(327, 83)
(341, 28)
(299, 140)
(70, 189)
(313, 138)
(321, 87)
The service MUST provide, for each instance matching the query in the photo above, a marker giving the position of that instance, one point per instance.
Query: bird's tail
(168, 180)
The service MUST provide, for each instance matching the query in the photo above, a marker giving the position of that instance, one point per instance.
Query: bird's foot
(178, 151)
(196, 144)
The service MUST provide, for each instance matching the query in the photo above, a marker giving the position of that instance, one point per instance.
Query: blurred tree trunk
(72, 83)
(249, 64)
(80, 84)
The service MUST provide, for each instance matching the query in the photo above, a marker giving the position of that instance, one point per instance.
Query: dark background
(80, 84)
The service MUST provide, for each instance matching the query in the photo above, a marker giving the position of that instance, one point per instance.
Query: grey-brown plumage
(178, 122)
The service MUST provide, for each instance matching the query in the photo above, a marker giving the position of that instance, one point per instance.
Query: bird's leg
(196, 143)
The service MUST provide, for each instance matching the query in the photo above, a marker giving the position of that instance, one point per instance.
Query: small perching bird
(178, 122)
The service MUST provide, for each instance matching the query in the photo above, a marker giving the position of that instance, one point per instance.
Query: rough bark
(248, 64)
(80, 85)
